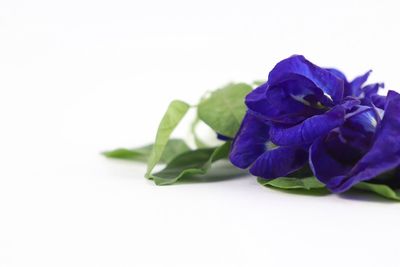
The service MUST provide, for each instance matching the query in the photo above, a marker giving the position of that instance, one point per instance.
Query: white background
(82, 76)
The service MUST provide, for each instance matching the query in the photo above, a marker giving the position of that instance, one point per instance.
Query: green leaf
(191, 163)
(380, 189)
(224, 109)
(197, 140)
(307, 183)
(173, 148)
(300, 179)
(174, 114)
(136, 154)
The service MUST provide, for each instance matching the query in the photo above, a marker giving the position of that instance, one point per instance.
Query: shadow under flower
(364, 196)
(220, 171)
(319, 192)
(352, 194)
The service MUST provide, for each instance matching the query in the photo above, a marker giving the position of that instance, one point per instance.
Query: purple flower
(303, 108)
(363, 148)
(368, 93)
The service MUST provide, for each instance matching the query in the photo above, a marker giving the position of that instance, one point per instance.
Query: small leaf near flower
(194, 163)
(224, 109)
(307, 183)
(380, 189)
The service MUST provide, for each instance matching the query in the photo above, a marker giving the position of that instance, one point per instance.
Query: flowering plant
(306, 128)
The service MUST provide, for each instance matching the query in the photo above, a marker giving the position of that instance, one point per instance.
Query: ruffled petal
(383, 156)
(346, 84)
(372, 89)
(392, 95)
(289, 102)
(379, 101)
(279, 162)
(333, 156)
(370, 95)
(337, 73)
(250, 141)
(358, 129)
(355, 85)
(330, 84)
(257, 96)
(326, 158)
(310, 129)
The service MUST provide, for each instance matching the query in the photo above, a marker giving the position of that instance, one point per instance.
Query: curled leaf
(193, 163)
(174, 114)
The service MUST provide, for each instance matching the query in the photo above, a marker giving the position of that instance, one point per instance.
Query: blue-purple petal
(250, 141)
(324, 158)
(297, 65)
(279, 162)
(337, 73)
(370, 95)
(310, 129)
(372, 89)
(379, 101)
(282, 104)
(383, 156)
(358, 130)
(355, 85)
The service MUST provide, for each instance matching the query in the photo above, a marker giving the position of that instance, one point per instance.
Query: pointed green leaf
(136, 154)
(224, 109)
(173, 148)
(174, 114)
(192, 163)
(380, 189)
(307, 183)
